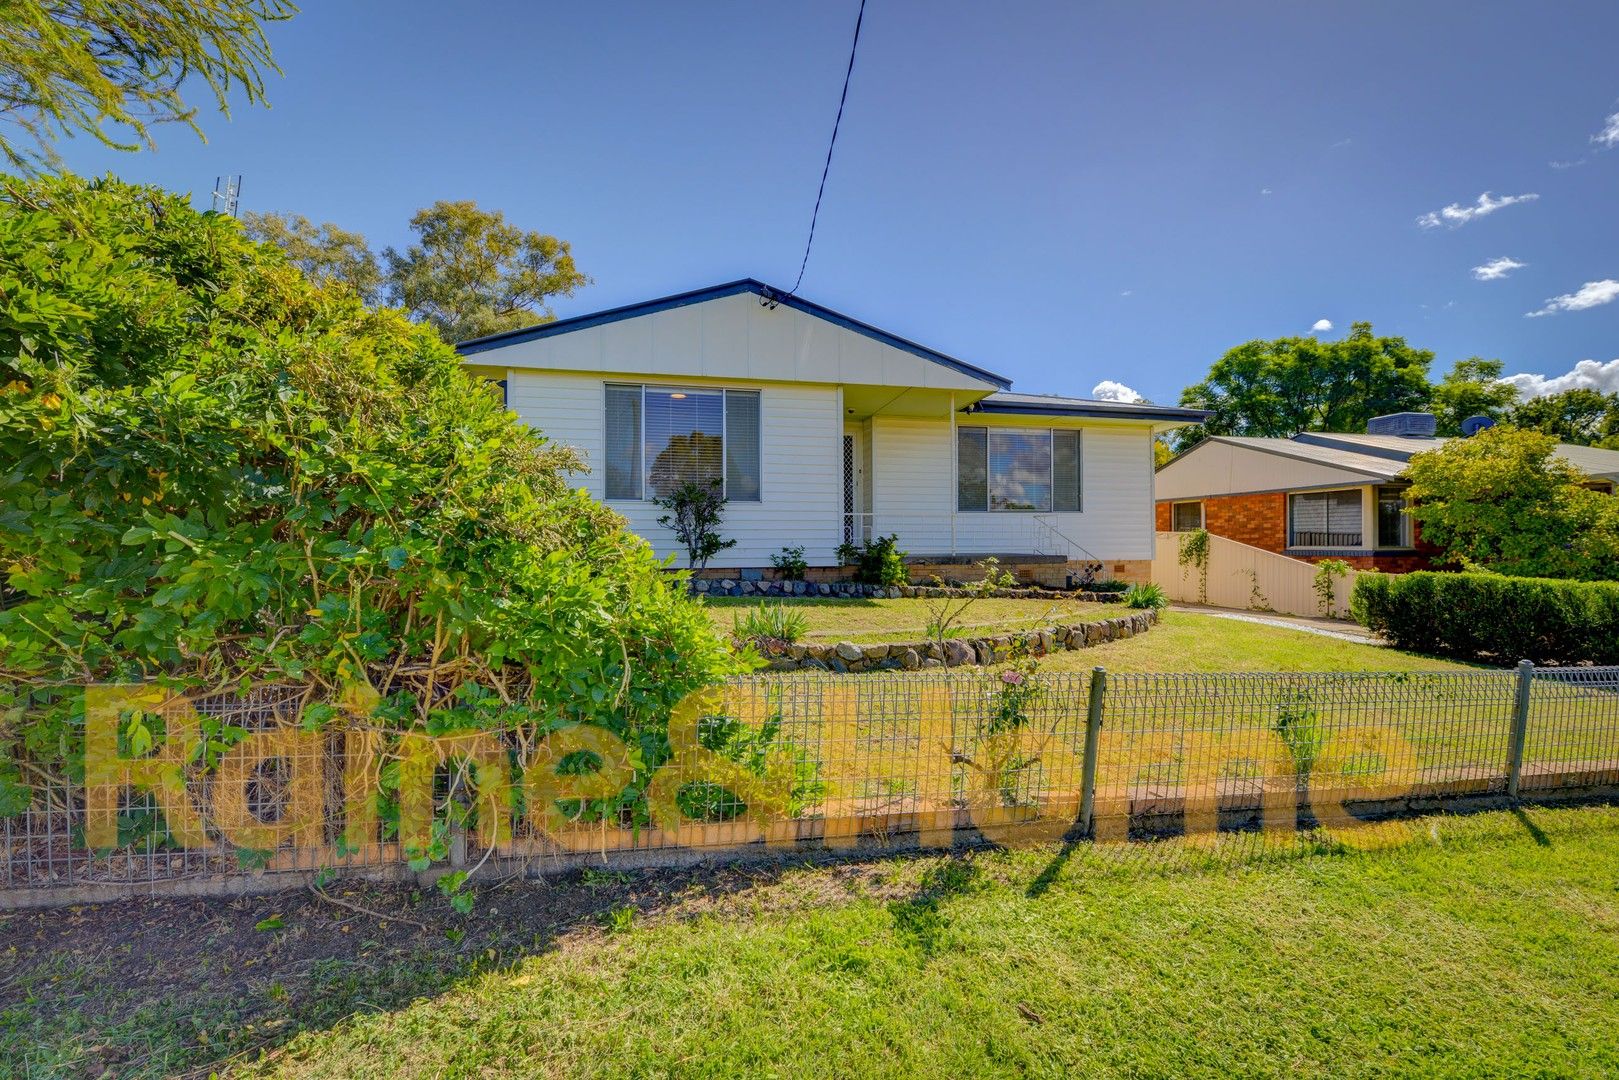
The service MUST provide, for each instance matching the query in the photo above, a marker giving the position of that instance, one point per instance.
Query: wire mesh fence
(175, 788)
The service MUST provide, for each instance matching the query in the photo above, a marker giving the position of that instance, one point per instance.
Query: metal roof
(1006, 403)
(1372, 466)
(1385, 456)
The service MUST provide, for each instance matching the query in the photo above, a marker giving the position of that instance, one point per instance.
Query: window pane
(1391, 519)
(684, 441)
(1020, 470)
(972, 469)
(1325, 519)
(742, 445)
(1065, 470)
(1188, 516)
(623, 442)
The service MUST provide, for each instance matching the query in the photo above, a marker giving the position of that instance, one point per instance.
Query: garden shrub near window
(1492, 617)
(215, 473)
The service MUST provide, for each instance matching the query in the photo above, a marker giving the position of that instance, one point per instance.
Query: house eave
(1158, 413)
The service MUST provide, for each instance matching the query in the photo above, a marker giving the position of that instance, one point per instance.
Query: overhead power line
(842, 99)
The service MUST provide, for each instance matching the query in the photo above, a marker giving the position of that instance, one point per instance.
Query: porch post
(954, 480)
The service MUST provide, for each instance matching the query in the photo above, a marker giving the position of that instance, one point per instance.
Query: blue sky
(1063, 193)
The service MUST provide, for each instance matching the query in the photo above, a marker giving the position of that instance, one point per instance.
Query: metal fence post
(1520, 727)
(1093, 741)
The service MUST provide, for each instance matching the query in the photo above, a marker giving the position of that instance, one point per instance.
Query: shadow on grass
(1535, 832)
(166, 986)
(920, 920)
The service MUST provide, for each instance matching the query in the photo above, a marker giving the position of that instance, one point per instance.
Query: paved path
(1332, 628)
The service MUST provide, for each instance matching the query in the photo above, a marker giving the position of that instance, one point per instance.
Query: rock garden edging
(849, 656)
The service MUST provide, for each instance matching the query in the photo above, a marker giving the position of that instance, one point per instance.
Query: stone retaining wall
(849, 656)
(788, 590)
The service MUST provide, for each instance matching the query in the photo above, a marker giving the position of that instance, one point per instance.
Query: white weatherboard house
(824, 429)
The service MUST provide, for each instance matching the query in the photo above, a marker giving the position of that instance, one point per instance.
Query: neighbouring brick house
(1320, 495)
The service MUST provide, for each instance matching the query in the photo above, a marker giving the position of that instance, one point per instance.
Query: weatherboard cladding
(733, 288)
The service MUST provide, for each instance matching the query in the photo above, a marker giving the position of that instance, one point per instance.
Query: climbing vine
(1194, 551)
(1327, 573)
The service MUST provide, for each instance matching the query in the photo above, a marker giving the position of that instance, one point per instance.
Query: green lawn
(1469, 946)
(906, 620)
(1187, 641)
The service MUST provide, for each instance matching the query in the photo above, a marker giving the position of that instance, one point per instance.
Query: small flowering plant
(1015, 695)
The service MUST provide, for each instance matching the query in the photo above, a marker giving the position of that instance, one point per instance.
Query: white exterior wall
(913, 493)
(801, 461)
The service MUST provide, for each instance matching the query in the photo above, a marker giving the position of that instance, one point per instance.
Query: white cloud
(1591, 294)
(1320, 325)
(1456, 215)
(1108, 390)
(1264, 191)
(1587, 375)
(1574, 164)
(1496, 269)
(1127, 292)
(1608, 137)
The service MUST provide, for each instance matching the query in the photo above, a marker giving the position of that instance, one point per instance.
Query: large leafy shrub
(1492, 617)
(215, 473)
(1504, 501)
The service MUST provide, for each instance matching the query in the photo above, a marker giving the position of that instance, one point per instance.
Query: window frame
(989, 506)
(1407, 537)
(644, 471)
(1358, 491)
(1176, 504)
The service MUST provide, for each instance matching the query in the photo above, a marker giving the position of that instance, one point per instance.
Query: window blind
(1065, 472)
(1325, 519)
(742, 445)
(972, 469)
(1188, 516)
(623, 442)
(685, 433)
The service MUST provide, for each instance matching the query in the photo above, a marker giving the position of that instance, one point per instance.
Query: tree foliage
(1503, 501)
(218, 474)
(1581, 416)
(469, 273)
(79, 66)
(1472, 387)
(1281, 387)
(326, 254)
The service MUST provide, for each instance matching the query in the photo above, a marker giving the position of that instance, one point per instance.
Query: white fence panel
(1245, 578)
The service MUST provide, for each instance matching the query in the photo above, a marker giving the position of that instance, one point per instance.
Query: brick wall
(1261, 521)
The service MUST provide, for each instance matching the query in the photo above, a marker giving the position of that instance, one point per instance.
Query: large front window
(1324, 519)
(1017, 469)
(660, 437)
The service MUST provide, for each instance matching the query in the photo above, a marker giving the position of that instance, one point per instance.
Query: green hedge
(1492, 617)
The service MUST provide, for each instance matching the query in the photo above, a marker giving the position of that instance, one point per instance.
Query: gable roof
(1384, 457)
(714, 292)
(1371, 465)
(1052, 405)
